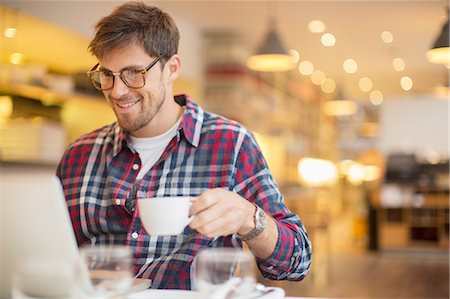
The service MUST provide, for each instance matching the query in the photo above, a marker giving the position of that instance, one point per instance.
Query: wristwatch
(260, 224)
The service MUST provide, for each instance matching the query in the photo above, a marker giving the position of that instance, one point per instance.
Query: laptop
(35, 226)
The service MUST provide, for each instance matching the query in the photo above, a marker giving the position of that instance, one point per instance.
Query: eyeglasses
(133, 78)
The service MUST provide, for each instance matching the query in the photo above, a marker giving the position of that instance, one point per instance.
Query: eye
(106, 74)
(132, 73)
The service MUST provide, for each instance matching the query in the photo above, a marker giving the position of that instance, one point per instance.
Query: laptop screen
(34, 225)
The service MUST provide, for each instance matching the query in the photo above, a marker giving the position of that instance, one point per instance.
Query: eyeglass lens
(105, 79)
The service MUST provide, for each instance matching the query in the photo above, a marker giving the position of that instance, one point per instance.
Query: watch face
(260, 213)
(260, 219)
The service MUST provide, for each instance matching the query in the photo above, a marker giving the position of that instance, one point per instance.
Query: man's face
(137, 110)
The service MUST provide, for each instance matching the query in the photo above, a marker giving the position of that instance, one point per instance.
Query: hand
(219, 212)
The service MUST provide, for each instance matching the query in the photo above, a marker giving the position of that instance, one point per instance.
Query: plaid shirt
(98, 172)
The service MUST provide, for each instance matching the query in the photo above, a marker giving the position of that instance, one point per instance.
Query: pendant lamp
(271, 56)
(440, 52)
(340, 106)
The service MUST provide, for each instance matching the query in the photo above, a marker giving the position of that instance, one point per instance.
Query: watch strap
(260, 219)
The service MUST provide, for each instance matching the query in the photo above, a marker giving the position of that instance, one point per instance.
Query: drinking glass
(110, 269)
(225, 270)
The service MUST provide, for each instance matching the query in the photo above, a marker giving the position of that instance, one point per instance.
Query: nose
(119, 88)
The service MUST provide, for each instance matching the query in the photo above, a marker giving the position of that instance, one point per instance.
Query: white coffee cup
(165, 215)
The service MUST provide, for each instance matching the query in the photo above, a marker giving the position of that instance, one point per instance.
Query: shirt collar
(192, 120)
(191, 125)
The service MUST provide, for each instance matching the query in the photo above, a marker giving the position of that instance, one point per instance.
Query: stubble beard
(149, 108)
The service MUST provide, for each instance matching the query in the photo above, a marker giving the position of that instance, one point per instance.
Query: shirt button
(135, 166)
(118, 202)
(134, 235)
(270, 268)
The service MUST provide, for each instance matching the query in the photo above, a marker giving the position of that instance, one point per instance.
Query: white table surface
(183, 294)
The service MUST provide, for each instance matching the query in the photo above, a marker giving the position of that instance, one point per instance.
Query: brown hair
(136, 22)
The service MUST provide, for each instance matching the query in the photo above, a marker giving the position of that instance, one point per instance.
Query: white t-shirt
(150, 149)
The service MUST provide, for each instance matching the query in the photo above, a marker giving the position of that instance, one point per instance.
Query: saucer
(172, 294)
(276, 293)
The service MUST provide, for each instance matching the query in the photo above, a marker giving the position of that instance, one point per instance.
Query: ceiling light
(440, 51)
(387, 37)
(376, 97)
(339, 106)
(16, 58)
(356, 173)
(399, 64)
(306, 67)
(328, 85)
(406, 83)
(10, 32)
(315, 172)
(6, 107)
(365, 84)
(350, 66)
(316, 26)
(328, 40)
(271, 56)
(295, 55)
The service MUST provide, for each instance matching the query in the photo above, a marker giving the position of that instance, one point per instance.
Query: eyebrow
(130, 67)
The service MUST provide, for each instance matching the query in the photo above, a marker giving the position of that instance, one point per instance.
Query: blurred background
(352, 118)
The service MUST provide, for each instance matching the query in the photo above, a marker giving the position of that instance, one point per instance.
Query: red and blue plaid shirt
(98, 173)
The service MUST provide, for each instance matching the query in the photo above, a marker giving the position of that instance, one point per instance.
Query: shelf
(429, 234)
(45, 95)
(418, 225)
(412, 226)
(27, 165)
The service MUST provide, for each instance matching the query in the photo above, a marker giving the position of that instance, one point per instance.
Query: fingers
(215, 222)
(218, 212)
(202, 202)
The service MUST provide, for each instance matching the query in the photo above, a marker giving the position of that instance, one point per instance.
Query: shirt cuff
(278, 265)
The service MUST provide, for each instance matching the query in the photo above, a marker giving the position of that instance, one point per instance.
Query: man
(165, 145)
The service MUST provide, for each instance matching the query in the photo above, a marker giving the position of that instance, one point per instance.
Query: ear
(173, 67)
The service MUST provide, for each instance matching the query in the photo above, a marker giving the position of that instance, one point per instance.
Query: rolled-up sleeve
(291, 259)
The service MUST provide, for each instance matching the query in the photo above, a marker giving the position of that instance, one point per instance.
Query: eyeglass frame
(143, 71)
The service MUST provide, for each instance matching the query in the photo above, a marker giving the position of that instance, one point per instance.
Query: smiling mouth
(127, 105)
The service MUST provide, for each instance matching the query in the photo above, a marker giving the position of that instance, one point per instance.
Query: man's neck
(167, 116)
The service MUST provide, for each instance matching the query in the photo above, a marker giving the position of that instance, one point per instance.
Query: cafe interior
(348, 101)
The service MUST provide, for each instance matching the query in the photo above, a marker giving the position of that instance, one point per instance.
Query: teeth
(126, 105)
